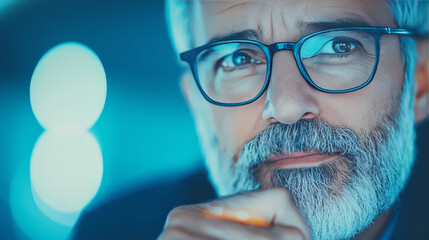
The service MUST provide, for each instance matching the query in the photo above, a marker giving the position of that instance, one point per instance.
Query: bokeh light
(144, 121)
(66, 172)
(67, 94)
(28, 217)
(68, 89)
(63, 218)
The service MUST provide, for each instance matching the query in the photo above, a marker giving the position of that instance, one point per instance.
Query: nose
(289, 98)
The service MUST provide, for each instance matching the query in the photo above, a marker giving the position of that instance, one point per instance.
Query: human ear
(421, 107)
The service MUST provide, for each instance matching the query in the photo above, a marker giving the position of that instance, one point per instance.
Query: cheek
(363, 109)
(237, 125)
(230, 127)
(389, 80)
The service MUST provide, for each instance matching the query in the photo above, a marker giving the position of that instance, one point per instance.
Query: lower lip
(312, 160)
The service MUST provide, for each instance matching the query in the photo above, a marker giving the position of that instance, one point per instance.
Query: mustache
(303, 135)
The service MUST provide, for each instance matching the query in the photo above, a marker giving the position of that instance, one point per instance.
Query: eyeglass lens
(337, 60)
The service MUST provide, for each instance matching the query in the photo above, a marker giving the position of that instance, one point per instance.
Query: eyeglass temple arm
(402, 31)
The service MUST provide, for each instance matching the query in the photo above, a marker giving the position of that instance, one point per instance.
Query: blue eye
(236, 59)
(343, 46)
(239, 58)
(243, 59)
(330, 46)
(339, 46)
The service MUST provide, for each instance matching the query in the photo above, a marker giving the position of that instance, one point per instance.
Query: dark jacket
(141, 215)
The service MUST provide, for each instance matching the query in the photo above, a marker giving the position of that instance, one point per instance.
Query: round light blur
(29, 219)
(68, 89)
(66, 172)
(63, 218)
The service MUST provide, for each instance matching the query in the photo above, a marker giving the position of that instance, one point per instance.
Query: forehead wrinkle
(272, 22)
(277, 27)
(222, 6)
(283, 24)
(233, 6)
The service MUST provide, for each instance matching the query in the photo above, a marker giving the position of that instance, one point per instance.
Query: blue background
(145, 132)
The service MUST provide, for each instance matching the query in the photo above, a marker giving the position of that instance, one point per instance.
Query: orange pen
(239, 216)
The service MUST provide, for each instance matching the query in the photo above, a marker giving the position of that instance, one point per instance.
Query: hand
(273, 205)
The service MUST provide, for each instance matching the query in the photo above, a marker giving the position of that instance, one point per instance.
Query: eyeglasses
(237, 72)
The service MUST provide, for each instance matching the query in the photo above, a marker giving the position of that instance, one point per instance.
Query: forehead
(282, 20)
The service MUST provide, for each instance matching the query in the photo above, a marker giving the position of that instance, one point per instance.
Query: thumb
(273, 205)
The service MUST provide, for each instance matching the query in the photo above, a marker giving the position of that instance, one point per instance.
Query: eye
(342, 46)
(237, 59)
(339, 46)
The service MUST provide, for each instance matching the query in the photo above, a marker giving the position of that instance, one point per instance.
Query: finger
(273, 205)
(217, 229)
(238, 216)
(287, 233)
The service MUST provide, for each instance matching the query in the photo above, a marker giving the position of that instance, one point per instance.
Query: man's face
(231, 136)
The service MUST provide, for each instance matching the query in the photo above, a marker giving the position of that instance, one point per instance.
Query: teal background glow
(145, 131)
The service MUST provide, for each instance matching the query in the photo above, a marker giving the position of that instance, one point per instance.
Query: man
(305, 112)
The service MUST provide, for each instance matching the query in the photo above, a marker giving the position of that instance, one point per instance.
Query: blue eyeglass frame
(191, 58)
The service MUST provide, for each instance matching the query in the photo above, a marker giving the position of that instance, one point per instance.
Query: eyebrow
(309, 27)
(242, 35)
(304, 28)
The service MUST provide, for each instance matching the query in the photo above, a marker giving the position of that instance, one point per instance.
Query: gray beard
(371, 171)
(340, 198)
